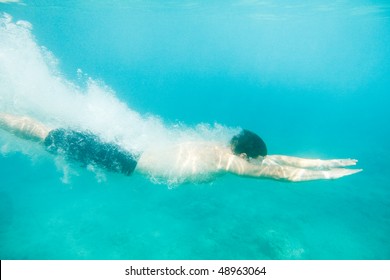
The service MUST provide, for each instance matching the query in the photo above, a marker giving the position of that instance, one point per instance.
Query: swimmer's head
(248, 144)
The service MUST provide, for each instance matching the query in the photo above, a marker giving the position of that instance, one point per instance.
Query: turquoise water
(311, 77)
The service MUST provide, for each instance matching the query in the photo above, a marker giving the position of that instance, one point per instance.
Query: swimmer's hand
(336, 173)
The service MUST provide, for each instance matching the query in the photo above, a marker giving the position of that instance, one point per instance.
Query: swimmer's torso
(186, 161)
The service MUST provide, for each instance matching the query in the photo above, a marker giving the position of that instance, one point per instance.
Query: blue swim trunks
(88, 148)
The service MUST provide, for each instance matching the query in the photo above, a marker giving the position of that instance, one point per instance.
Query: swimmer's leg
(24, 127)
(308, 163)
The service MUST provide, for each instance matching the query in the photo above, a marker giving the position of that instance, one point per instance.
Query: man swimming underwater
(245, 155)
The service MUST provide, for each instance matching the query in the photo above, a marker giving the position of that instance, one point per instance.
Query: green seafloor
(310, 77)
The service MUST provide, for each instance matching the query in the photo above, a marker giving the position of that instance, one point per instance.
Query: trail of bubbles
(32, 85)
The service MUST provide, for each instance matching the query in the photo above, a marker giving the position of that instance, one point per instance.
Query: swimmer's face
(258, 159)
(244, 156)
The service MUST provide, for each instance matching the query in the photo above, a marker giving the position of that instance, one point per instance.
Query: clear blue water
(311, 77)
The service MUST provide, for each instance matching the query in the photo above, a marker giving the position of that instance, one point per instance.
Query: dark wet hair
(249, 143)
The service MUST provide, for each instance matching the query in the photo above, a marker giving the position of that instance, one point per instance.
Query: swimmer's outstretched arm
(24, 127)
(308, 163)
(239, 166)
